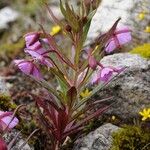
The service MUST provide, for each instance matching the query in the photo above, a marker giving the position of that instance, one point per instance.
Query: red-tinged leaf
(99, 101)
(62, 122)
(69, 125)
(53, 16)
(71, 97)
(48, 126)
(71, 18)
(48, 112)
(72, 132)
(95, 114)
(57, 49)
(89, 107)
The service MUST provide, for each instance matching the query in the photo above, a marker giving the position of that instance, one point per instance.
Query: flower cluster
(38, 53)
(118, 38)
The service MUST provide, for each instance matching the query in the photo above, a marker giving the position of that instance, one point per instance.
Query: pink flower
(31, 38)
(7, 121)
(104, 74)
(28, 67)
(37, 46)
(33, 43)
(3, 145)
(119, 38)
(42, 58)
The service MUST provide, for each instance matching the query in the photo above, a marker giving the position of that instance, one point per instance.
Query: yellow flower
(141, 15)
(113, 117)
(55, 29)
(85, 93)
(147, 29)
(145, 114)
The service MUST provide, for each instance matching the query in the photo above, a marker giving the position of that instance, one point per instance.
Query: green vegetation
(30, 7)
(11, 50)
(143, 50)
(6, 104)
(131, 138)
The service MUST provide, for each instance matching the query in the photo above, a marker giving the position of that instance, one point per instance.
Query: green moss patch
(131, 138)
(143, 50)
(6, 104)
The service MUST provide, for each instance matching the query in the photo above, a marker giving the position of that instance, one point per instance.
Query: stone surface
(100, 139)
(19, 141)
(7, 15)
(110, 10)
(3, 87)
(131, 90)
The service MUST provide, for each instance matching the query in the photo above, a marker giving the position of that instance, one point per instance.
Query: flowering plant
(61, 107)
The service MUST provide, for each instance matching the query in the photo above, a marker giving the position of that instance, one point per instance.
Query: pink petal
(6, 119)
(95, 78)
(38, 47)
(120, 37)
(42, 59)
(31, 38)
(124, 38)
(12, 124)
(28, 67)
(34, 54)
(106, 74)
(110, 46)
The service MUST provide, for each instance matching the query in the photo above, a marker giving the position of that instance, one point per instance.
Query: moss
(143, 50)
(11, 50)
(131, 138)
(6, 104)
(30, 7)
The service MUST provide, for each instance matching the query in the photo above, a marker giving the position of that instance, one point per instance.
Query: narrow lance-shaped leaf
(71, 97)
(87, 26)
(72, 18)
(95, 114)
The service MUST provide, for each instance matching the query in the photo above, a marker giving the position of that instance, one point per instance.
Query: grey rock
(3, 87)
(100, 139)
(7, 15)
(131, 90)
(19, 141)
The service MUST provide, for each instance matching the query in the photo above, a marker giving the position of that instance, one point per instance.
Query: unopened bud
(84, 20)
(92, 62)
(68, 28)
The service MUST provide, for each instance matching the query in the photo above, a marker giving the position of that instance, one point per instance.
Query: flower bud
(84, 20)
(68, 28)
(92, 62)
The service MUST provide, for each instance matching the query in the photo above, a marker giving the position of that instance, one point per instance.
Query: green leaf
(63, 86)
(70, 16)
(87, 26)
(63, 9)
(60, 75)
